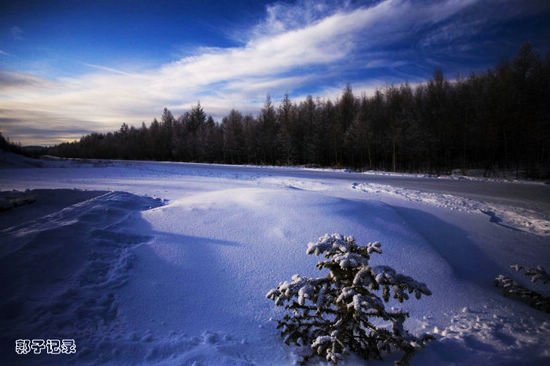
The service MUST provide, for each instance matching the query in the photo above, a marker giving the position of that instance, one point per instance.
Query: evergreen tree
(344, 311)
(234, 147)
(268, 139)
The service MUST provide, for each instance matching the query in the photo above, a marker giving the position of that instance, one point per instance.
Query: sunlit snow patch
(514, 218)
(301, 184)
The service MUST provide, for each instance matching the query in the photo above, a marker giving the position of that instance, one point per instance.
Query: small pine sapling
(345, 311)
(513, 289)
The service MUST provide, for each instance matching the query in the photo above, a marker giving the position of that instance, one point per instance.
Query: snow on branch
(537, 274)
(345, 311)
(513, 289)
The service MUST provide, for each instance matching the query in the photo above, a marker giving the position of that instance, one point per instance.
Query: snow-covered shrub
(513, 289)
(345, 311)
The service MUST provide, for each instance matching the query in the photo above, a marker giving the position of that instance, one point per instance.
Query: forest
(492, 121)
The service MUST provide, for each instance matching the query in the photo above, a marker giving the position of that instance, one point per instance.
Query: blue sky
(71, 67)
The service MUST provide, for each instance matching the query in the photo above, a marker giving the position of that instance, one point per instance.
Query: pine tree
(286, 117)
(343, 311)
(233, 138)
(269, 127)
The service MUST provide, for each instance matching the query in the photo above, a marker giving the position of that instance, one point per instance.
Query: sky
(68, 68)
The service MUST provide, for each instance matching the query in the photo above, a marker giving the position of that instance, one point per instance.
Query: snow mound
(515, 218)
(247, 197)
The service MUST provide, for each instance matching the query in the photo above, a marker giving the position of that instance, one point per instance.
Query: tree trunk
(394, 155)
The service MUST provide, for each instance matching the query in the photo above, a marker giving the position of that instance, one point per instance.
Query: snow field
(136, 280)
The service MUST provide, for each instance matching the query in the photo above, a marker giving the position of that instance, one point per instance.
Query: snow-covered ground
(168, 263)
(513, 217)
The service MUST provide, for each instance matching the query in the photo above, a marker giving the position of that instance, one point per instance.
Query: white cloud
(282, 17)
(275, 60)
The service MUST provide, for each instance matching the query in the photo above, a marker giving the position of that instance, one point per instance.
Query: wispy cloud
(282, 17)
(46, 128)
(108, 69)
(17, 81)
(292, 48)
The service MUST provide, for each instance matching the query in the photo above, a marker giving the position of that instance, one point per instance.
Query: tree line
(495, 120)
(7, 145)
